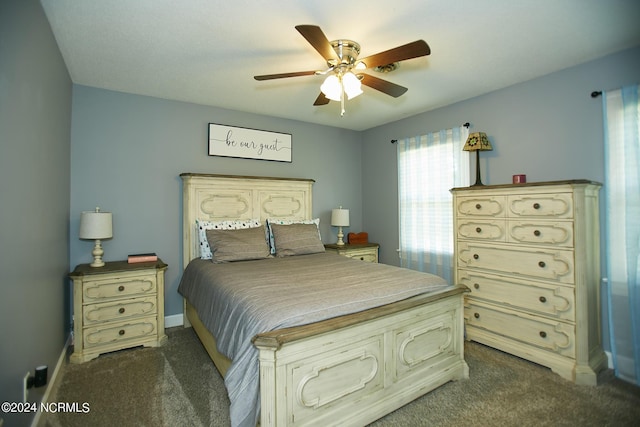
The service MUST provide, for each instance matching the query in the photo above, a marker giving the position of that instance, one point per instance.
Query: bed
(346, 369)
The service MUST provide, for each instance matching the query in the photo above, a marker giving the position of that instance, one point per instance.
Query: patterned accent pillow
(204, 225)
(296, 239)
(238, 245)
(270, 221)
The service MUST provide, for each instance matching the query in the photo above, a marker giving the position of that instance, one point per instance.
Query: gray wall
(35, 121)
(128, 152)
(548, 128)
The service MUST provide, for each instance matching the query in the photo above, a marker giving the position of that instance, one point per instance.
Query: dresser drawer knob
(478, 230)
(361, 258)
(476, 256)
(536, 233)
(121, 332)
(476, 315)
(477, 286)
(478, 206)
(121, 310)
(542, 264)
(121, 288)
(536, 206)
(543, 299)
(543, 334)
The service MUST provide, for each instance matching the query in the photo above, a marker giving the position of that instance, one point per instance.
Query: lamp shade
(352, 85)
(477, 141)
(332, 88)
(96, 225)
(340, 217)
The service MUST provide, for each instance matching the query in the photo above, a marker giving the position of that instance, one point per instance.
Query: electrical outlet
(25, 389)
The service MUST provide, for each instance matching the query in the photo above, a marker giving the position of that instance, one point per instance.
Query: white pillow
(204, 225)
(280, 221)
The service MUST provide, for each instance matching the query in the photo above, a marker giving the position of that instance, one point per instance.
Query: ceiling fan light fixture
(332, 88)
(352, 85)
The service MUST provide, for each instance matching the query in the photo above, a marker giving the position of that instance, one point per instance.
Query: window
(428, 167)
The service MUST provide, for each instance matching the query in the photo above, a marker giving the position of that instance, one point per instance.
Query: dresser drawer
(536, 297)
(488, 206)
(557, 205)
(119, 310)
(123, 287)
(550, 335)
(542, 233)
(119, 333)
(548, 264)
(490, 230)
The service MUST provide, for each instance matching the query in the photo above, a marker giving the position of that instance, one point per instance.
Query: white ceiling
(207, 51)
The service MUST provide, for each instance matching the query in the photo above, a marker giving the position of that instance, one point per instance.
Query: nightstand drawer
(122, 287)
(551, 300)
(547, 334)
(119, 310)
(363, 254)
(106, 334)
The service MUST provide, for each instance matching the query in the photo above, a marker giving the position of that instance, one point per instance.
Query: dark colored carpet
(178, 385)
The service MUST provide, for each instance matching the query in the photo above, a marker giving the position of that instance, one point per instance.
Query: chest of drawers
(117, 306)
(530, 253)
(363, 251)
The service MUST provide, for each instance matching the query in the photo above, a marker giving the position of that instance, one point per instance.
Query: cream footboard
(349, 370)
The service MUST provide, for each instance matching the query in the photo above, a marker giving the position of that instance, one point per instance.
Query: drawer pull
(543, 334)
(542, 264)
(121, 332)
(536, 206)
(478, 206)
(121, 288)
(543, 299)
(121, 310)
(477, 286)
(536, 233)
(478, 230)
(476, 315)
(476, 256)
(361, 258)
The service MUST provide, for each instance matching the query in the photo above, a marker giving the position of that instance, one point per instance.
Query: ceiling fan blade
(383, 86)
(284, 75)
(318, 40)
(321, 100)
(400, 53)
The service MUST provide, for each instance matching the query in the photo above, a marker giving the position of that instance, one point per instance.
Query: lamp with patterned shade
(477, 142)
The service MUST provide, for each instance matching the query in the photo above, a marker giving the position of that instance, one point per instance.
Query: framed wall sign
(232, 141)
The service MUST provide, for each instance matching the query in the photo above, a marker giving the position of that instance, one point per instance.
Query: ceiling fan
(345, 69)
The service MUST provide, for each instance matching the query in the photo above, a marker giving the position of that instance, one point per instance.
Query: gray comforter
(239, 300)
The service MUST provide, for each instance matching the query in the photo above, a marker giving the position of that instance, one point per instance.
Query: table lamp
(477, 142)
(96, 225)
(340, 218)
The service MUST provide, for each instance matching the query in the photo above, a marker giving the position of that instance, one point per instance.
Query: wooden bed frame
(349, 370)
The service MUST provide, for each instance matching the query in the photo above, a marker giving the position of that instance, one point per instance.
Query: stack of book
(150, 257)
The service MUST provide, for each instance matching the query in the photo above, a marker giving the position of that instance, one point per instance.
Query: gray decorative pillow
(238, 245)
(296, 239)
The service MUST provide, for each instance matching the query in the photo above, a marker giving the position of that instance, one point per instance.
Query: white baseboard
(52, 380)
(173, 320)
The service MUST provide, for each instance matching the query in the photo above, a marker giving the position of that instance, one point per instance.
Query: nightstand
(117, 306)
(364, 251)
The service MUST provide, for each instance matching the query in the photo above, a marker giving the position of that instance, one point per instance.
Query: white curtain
(622, 185)
(428, 167)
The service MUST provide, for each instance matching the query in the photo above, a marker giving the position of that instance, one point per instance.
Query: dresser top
(530, 184)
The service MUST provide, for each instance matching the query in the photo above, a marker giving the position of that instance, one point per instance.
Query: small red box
(519, 179)
(358, 238)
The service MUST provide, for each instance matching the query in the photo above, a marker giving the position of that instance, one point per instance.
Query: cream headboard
(229, 197)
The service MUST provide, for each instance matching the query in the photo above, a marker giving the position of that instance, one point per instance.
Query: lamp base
(97, 255)
(340, 236)
(478, 180)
